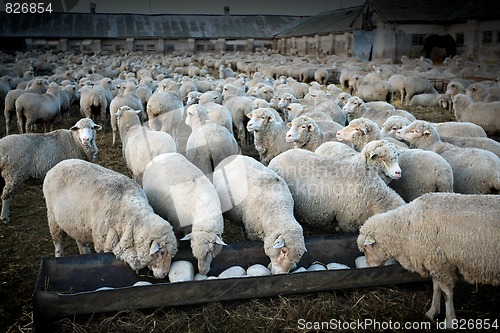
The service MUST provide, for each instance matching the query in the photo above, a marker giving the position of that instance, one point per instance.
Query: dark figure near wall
(442, 41)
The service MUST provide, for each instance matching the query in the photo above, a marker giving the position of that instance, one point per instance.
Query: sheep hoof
(431, 314)
(5, 220)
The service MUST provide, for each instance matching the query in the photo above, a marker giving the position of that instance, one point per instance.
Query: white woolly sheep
(305, 133)
(127, 97)
(371, 89)
(356, 108)
(481, 143)
(326, 192)
(422, 171)
(93, 104)
(209, 143)
(30, 156)
(239, 106)
(269, 134)
(216, 112)
(426, 241)
(379, 155)
(413, 85)
(171, 183)
(256, 197)
(111, 211)
(165, 109)
(32, 108)
(484, 114)
(475, 171)
(322, 119)
(139, 143)
(478, 92)
(38, 86)
(431, 100)
(460, 129)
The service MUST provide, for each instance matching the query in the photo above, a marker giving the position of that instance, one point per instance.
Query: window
(487, 37)
(417, 39)
(459, 39)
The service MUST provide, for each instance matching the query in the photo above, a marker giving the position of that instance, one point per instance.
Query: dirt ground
(26, 240)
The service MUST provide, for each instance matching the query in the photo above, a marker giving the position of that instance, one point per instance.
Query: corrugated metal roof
(431, 11)
(73, 25)
(332, 21)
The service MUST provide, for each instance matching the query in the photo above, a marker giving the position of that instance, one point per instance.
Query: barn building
(379, 29)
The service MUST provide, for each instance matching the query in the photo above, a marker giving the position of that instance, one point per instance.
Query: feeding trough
(95, 283)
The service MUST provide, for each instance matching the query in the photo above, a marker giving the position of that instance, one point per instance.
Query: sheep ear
(289, 125)
(74, 128)
(427, 132)
(97, 127)
(249, 115)
(279, 243)
(155, 247)
(369, 240)
(137, 112)
(310, 127)
(187, 237)
(373, 156)
(270, 119)
(218, 240)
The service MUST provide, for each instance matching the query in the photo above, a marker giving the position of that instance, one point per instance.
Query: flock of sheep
(321, 154)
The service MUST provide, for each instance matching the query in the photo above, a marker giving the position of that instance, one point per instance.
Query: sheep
(481, 143)
(379, 155)
(139, 143)
(422, 239)
(165, 108)
(327, 193)
(239, 106)
(269, 134)
(371, 89)
(318, 101)
(171, 183)
(342, 98)
(209, 143)
(304, 133)
(478, 92)
(255, 196)
(38, 86)
(216, 112)
(462, 129)
(475, 171)
(126, 98)
(484, 114)
(356, 108)
(431, 100)
(93, 104)
(32, 108)
(323, 120)
(30, 156)
(413, 85)
(422, 171)
(111, 211)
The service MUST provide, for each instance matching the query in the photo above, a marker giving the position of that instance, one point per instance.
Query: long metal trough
(68, 286)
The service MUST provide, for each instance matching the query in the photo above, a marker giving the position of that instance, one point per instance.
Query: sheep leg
(448, 301)
(436, 301)
(84, 248)
(58, 236)
(6, 203)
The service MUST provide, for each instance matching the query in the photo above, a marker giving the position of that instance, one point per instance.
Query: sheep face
(384, 157)
(393, 124)
(354, 130)
(285, 100)
(282, 255)
(418, 133)
(161, 259)
(299, 129)
(354, 106)
(375, 256)
(258, 120)
(342, 99)
(205, 247)
(86, 130)
(192, 98)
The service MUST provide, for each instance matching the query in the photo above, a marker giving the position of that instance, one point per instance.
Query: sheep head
(419, 134)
